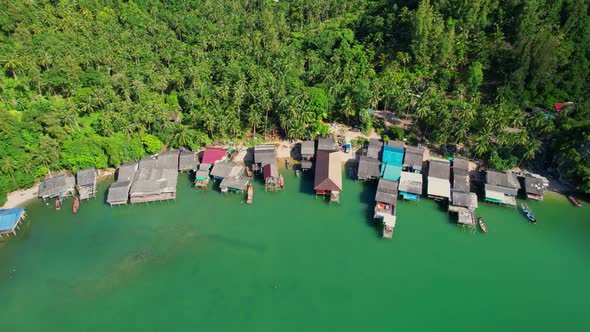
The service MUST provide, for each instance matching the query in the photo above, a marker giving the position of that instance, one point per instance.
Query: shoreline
(21, 197)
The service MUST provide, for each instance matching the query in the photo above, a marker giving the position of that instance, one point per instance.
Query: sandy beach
(20, 197)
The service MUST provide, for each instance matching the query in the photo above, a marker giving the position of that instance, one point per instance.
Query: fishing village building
(119, 191)
(392, 160)
(265, 161)
(60, 186)
(156, 178)
(10, 219)
(211, 156)
(462, 201)
(225, 170)
(86, 183)
(307, 154)
(534, 186)
(264, 154)
(501, 187)
(439, 185)
(411, 182)
(188, 161)
(385, 207)
(234, 184)
(328, 173)
(373, 149)
(272, 178)
(369, 166)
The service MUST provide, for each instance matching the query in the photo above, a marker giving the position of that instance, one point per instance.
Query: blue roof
(391, 172)
(393, 155)
(9, 217)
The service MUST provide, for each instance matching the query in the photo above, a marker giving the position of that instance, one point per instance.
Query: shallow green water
(290, 262)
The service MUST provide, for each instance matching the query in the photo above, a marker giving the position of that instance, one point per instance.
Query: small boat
(350, 172)
(250, 194)
(575, 201)
(528, 213)
(248, 171)
(297, 172)
(57, 204)
(287, 164)
(482, 225)
(76, 205)
(281, 181)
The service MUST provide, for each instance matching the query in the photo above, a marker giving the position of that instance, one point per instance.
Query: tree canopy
(101, 82)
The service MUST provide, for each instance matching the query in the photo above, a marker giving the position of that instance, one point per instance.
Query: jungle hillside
(100, 82)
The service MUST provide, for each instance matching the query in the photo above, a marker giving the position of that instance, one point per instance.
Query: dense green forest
(99, 82)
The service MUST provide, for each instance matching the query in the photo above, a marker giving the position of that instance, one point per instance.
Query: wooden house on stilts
(439, 185)
(501, 188)
(10, 219)
(188, 161)
(119, 191)
(328, 175)
(307, 154)
(156, 179)
(462, 201)
(86, 183)
(60, 187)
(385, 205)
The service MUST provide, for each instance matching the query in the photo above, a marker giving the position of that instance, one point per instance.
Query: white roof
(495, 195)
(439, 187)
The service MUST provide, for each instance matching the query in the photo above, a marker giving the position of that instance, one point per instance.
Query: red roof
(558, 106)
(270, 171)
(211, 156)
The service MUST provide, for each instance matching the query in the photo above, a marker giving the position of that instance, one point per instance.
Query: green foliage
(101, 83)
(151, 143)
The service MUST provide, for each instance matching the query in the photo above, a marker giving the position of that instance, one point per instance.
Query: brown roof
(328, 172)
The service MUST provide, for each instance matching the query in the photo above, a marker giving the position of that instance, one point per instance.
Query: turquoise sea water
(291, 262)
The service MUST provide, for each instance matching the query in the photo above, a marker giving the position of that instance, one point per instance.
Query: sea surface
(291, 262)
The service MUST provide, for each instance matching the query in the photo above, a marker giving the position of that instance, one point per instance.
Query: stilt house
(86, 183)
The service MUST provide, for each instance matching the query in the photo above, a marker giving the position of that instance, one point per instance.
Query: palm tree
(12, 64)
(531, 149)
(7, 166)
(182, 137)
(253, 118)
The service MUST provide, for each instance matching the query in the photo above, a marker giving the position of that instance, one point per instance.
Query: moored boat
(575, 201)
(76, 205)
(482, 225)
(57, 204)
(248, 171)
(250, 194)
(287, 164)
(527, 213)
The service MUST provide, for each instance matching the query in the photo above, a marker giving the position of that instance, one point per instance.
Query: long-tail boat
(250, 194)
(527, 213)
(575, 201)
(248, 171)
(76, 205)
(482, 225)
(57, 204)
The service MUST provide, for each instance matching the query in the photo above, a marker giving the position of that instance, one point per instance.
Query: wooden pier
(10, 220)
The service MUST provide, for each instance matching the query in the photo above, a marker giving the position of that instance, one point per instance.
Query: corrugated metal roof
(411, 183)
(502, 179)
(439, 168)
(188, 161)
(234, 182)
(308, 148)
(213, 155)
(9, 218)
(54, 186)
(464, 199)
(326, 144)
(368, 168)
(270, 171)
(534, 185)
(439, 187)
(328, 172)
(391, 172)
(86, 177)
(393, 155)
